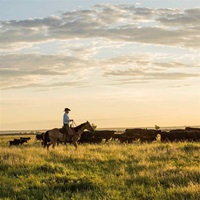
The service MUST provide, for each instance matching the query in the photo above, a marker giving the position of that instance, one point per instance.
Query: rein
(79, 132)
(73, 123)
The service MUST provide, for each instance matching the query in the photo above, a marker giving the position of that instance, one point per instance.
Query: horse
(51, 137)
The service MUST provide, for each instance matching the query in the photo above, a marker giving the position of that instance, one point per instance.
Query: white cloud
(185, 18)
(23, 70)
(83, 35)
(47, 71)
(140, 74)
(113, 22)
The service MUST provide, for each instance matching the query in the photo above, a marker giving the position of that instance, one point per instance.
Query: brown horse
(53, 136)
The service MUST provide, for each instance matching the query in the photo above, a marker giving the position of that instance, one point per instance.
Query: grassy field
(115, 171)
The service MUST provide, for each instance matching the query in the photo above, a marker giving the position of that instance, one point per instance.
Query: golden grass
(104, 171)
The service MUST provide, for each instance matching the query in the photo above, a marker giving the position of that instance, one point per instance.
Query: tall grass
(115, 171)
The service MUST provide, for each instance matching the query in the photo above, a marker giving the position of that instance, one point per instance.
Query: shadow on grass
(50, 188)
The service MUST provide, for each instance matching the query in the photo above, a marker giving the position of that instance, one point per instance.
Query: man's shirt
(65, 119)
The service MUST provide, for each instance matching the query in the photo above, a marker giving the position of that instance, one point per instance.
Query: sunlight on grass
(103, 171)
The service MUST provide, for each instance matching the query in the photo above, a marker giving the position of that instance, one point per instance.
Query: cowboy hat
(67, 109)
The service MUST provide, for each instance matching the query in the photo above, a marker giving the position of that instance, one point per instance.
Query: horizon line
(161, 127)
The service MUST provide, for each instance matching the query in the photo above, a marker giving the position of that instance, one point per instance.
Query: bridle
(79, 131)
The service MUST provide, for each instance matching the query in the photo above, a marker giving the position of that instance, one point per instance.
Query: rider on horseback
(66, 121)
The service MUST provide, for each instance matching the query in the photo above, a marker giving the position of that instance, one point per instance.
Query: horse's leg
(75, 143)
(67, 139)
(54, 144)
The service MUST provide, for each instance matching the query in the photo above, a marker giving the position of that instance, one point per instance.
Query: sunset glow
(113, 63)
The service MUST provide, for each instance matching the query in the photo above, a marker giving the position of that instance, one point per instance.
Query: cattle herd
(142, 135)
(138, 134)
(128, 136)
(20, 141)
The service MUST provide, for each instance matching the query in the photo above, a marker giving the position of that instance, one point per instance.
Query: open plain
(100, 171)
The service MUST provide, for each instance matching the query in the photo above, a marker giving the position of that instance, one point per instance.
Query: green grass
(115, 171)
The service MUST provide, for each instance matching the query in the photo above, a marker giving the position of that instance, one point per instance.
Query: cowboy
(66, 121)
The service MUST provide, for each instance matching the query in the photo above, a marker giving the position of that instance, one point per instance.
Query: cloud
(145, 69)
(35, 70)
(79, 42)
(190, 17)
(43, 86)
(38, 64)
(140, 74)
(113, 22)
(53, 71)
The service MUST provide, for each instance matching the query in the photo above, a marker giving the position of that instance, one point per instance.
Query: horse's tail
(45, 138)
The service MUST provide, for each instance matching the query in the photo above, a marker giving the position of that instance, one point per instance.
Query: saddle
(63, 130)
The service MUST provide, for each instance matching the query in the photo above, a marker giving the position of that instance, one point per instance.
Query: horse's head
(89, 127)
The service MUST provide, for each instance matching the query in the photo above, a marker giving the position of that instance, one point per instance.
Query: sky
(114, 63)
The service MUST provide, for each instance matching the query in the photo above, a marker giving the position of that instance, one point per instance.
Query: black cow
(116, 136)
(192, 129)
(180, 135)
(20, 141)
(104, 134)
(15, 142)
(193, 135)
(96, 136)
(39, 136)
(92, 140)
(26, 139)
(124, 139)
(144, 135)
